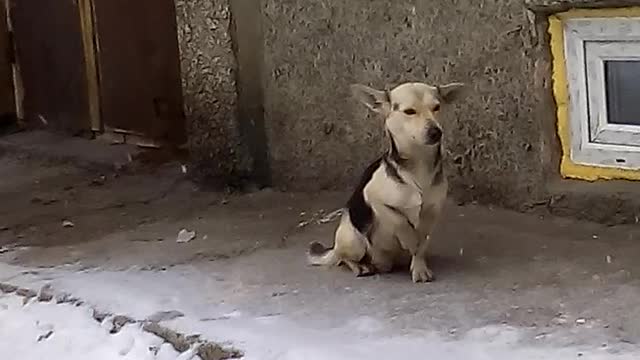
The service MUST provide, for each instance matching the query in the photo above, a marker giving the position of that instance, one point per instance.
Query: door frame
(89, 42)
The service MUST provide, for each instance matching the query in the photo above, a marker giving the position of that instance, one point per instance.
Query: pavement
(509, 285)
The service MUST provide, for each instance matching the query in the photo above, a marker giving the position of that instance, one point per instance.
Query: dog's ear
(375, 100)
(451, 92)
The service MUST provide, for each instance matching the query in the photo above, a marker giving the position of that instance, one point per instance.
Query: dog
(390, 216)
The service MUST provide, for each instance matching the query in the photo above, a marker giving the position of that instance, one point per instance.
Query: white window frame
(589, 42)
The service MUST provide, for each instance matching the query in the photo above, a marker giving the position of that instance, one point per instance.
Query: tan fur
(404, 211)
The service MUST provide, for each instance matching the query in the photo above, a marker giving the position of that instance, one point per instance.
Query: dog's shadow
(443, 267)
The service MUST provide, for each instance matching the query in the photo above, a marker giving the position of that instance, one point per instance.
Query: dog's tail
(319, 255)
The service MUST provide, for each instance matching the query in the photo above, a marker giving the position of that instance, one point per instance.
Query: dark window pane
(623, 91)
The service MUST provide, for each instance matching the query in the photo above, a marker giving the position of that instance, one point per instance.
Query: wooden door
(139, 68)
(7, 99)
(49, 50)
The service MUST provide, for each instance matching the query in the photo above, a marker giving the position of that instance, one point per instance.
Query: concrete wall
(286, 115)
(495, 141)
(209, 86)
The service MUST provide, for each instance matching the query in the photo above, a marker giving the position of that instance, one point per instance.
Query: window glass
(622, 80)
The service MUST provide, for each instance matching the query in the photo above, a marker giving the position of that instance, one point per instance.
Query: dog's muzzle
(433, 136)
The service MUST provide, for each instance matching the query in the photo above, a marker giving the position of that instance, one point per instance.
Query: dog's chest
(426, 195)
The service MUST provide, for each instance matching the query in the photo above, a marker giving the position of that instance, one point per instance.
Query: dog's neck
(427, 158)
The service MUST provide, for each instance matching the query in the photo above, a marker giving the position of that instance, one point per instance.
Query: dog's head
(411, 111)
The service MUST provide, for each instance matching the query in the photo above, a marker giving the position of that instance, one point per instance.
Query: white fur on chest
(412, 196)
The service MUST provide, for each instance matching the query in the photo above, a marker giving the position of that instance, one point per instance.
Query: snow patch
(46, 330)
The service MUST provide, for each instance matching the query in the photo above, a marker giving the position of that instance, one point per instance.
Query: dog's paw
(420, 272)
(360, 269)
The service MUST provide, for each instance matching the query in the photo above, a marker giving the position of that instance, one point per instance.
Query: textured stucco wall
(208, 74)
(501, 141)
(319, 138)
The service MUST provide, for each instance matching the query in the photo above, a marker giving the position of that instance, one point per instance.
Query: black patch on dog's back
(360, 213)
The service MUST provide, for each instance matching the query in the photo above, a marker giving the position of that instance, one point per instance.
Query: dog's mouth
(433, 135)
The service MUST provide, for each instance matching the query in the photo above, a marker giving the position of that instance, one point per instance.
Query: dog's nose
(434, 134)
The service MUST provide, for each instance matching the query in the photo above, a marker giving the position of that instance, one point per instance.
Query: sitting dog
(393, 210)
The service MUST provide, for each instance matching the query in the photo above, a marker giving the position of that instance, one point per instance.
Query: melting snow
(46, 330)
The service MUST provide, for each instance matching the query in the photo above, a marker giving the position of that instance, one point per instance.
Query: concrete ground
(508, 286)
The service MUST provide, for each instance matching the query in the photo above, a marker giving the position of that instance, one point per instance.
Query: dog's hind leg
(352, 246)
(349, 248)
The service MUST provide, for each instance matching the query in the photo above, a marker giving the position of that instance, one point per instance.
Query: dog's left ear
(375, 100)
(451, 92)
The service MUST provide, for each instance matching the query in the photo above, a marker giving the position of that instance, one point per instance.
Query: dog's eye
(436, 108)
(410, 111)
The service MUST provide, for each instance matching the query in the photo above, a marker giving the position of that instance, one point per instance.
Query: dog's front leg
(411, 241)
(409, 238)
(420, 272)
(429, 217)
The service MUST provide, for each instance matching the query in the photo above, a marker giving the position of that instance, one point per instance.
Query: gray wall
(315, 49)
(209, 86)
(294, 118)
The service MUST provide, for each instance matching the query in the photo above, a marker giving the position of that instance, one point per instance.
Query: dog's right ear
(375, 100)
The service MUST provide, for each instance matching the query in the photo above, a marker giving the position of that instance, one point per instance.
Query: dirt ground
(561, 281)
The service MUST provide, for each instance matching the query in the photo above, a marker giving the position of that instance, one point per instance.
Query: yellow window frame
(568, 168)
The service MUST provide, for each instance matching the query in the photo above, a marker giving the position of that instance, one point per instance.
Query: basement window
(602, 61)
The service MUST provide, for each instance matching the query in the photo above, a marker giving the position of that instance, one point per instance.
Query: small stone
(99, 316)
(28, 293)
(46, 293)
(164, 316)
(67, 224)
(119, 321)
(608, 258)
(7, 288)
(185, 236)
(581, 321)
(560, 319)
